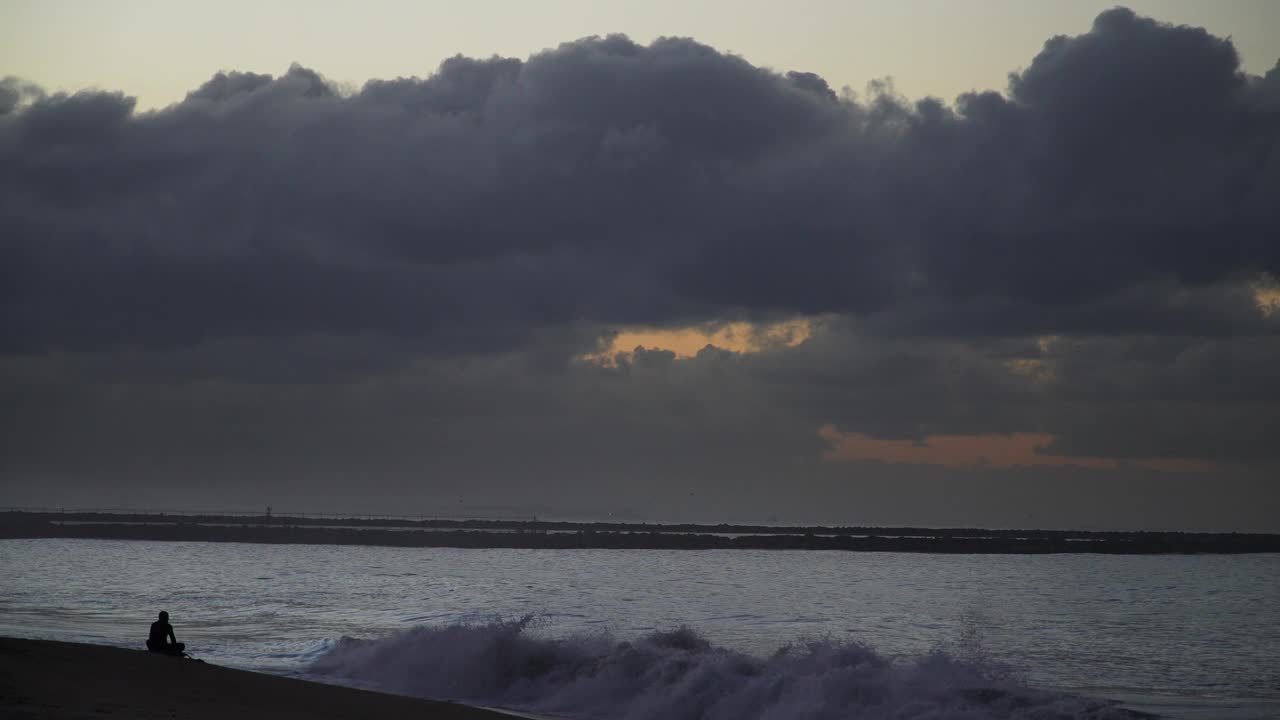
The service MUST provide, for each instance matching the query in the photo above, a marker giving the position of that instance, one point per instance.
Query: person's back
(162, 638)
(160, 632)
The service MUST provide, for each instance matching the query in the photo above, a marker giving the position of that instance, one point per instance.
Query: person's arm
(172, 638)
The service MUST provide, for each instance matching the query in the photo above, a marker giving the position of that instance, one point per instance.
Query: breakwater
(460, 533)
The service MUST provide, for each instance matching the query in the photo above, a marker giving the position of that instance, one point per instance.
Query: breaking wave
(679, 675)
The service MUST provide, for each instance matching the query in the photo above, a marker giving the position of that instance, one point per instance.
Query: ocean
(715, 634)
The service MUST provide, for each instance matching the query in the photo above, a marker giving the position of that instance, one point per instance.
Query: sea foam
(679, 675)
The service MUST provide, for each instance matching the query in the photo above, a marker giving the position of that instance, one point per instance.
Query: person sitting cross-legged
(162, 639)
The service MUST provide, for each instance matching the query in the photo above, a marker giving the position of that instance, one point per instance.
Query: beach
(59, 680)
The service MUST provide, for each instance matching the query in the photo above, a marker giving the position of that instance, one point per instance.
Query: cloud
(686, 342)
(625, 273)
(986, 451)
(716, 436)
(632, 184)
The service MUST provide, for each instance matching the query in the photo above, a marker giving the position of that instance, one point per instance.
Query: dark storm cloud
(610, 182)
(1214, 398)
(1161, 306)
(718, 436)
(276, 288)
(13, 91)
(1133, 150)
(226, 85)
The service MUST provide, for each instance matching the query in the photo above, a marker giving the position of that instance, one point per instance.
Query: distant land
(535, 534)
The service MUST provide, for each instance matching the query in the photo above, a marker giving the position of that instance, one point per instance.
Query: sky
(953, 264)
(158, 50)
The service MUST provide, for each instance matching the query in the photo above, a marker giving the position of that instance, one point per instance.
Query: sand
(57, 680)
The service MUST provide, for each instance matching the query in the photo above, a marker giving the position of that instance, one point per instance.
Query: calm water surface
(1187, 636)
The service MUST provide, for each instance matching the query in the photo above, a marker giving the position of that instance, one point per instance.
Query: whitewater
(690, 634)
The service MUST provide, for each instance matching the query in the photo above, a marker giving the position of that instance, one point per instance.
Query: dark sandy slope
(56, 680)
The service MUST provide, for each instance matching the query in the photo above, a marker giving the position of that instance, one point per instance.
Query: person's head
(164, 616)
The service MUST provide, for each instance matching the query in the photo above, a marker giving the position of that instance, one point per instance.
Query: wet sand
(57, 680)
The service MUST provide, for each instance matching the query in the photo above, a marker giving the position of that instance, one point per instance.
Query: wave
(679, 675)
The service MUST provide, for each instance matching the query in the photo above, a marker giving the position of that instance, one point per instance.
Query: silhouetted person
(162, 639)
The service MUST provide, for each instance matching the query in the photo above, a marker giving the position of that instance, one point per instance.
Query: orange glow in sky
(1268, 299)
(685, 342)
(993, 451)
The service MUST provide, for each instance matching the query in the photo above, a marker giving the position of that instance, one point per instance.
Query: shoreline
(58, 680)
(74, 681)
